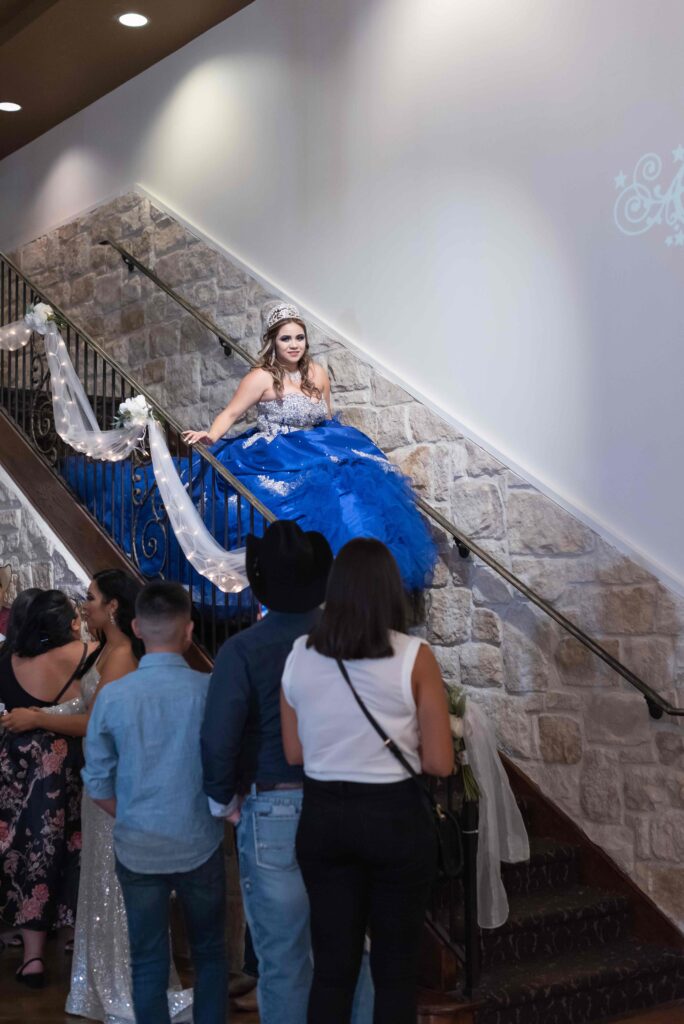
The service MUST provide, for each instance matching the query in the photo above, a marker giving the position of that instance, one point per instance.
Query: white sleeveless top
(338, 740)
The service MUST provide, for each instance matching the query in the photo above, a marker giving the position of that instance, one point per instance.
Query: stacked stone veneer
(28, 544)
(575, 728)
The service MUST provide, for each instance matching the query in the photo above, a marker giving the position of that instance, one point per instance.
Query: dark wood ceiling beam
(59, 56)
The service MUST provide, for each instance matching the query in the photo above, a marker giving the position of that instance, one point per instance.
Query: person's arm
(249, 392)
(322, 381)
(36, 718)
(118, 664)
(223, 726)
(99, 774)
(437, 748)
(23, 719)
(292, 745)
(109, 806)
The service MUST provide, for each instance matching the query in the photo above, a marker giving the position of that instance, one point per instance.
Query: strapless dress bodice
(294, 411)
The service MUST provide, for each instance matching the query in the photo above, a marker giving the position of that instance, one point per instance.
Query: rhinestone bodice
(293, 411)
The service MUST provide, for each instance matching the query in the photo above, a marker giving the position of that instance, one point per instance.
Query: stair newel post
(471, 940)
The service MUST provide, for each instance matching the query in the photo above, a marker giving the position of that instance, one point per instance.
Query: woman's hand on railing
(198, 437)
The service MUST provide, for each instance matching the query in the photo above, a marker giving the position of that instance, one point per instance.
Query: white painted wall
(434, 179)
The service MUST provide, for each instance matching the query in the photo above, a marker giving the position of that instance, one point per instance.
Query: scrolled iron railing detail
(150, 522)
(122, 496)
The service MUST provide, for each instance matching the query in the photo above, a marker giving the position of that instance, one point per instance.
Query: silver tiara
(282, 312)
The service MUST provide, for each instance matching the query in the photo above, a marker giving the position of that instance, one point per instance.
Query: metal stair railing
(656, 703)
(122, 496)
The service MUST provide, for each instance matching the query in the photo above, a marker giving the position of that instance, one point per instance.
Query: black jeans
(368, 856)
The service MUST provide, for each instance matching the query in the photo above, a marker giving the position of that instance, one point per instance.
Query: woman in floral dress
(40, 784)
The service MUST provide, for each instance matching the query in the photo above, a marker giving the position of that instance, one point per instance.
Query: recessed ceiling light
(11, 108)
(133, 20)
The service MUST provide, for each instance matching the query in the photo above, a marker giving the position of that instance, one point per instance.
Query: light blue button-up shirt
(143, 747)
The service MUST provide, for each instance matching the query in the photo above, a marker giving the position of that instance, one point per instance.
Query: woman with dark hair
(365, 842)
(40, 784)
(108, 611)
(100, 982)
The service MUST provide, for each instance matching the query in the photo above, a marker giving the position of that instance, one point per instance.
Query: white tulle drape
(76, 424)
(224, 568)
(502, 833)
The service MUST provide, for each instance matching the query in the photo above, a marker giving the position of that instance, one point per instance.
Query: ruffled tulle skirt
(330, 478)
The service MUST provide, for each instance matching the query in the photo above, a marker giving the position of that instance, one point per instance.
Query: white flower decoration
(456, 724)
(135, 410)
(38, 316)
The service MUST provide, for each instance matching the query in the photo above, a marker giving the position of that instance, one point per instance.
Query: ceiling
(58, 56)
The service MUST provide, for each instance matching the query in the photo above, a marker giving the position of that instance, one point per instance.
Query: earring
(112, 619)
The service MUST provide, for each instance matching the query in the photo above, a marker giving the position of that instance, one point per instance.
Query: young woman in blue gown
(305, 465)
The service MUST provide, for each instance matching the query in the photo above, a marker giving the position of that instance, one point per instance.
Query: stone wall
(37, 557)
(570, 722)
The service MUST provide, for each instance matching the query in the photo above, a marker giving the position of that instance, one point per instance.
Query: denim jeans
(201, 893)
(277, 910)
(368, 855)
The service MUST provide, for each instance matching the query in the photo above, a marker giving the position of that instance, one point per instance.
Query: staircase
(582, 943)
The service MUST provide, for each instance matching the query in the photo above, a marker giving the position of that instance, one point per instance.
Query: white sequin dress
(100, 977)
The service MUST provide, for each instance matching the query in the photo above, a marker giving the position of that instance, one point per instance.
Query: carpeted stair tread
(544, 908)
(552, 865)
(606, 981)
(554, 921)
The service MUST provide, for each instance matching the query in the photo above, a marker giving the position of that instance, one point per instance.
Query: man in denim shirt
(242, 753)
(143, 767)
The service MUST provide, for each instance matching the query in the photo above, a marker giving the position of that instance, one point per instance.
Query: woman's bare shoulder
(319, 373)
(258, 374)
(74, 649)
(117, 663)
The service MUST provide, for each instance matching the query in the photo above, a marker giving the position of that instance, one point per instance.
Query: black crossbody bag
(445, 823)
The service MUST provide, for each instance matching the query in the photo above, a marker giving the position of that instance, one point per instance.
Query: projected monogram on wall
(643, 204)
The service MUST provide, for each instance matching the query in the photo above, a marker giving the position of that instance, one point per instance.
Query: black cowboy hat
(287, 568)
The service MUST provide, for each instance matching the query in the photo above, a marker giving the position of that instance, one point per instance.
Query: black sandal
(32, 980)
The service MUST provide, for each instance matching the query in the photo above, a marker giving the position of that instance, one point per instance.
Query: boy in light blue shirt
(143, 767)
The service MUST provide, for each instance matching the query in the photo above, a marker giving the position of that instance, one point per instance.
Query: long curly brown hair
(268, 361)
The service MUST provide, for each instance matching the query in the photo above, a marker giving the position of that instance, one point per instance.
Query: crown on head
(281, 313)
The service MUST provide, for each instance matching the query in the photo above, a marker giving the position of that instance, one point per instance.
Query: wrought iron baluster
(177, 455)
(3, 321)
(102, 420)
(14, 356)
(224, 597)
(254, 606)
(24, 396)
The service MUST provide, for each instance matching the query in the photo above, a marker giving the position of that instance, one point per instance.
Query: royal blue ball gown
(302, 466)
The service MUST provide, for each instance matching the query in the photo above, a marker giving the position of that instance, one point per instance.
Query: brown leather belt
(267, 787)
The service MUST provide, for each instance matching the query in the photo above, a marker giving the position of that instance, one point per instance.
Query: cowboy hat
(288, 568)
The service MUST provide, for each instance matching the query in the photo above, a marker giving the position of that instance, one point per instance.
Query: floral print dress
(40, 822)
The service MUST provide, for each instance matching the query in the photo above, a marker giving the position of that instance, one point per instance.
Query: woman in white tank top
(365, 843)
